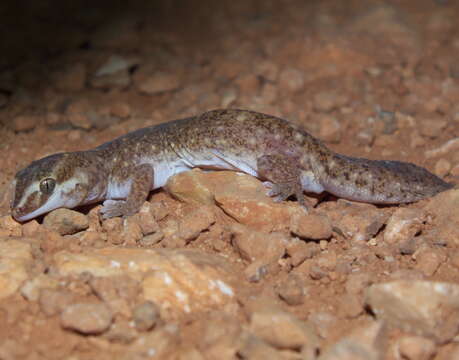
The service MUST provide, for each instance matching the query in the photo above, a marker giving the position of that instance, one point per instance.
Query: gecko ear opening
(47, 185)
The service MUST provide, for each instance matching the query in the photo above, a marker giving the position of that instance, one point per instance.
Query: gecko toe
(271, 189)
(112, 208)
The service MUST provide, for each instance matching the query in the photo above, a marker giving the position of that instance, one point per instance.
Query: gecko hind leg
(142, 178)
(283, 175)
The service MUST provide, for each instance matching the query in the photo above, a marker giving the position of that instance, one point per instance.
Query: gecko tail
(380, 181)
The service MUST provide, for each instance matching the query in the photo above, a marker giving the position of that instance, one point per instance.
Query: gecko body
(122, 172)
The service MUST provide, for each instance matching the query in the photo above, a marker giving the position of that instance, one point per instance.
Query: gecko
(121, 173)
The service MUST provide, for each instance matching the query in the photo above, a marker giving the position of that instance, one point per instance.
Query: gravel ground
(211, 268)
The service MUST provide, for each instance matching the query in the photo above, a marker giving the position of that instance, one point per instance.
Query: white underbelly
(309, 183)
(212, 159)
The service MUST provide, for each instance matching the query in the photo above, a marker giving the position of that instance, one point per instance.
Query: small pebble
(145, 316)
(87, 318)
(66, 221)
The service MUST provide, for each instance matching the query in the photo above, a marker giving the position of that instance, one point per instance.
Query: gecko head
(47, 184)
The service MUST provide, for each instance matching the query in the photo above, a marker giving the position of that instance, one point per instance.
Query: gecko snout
(16, 212)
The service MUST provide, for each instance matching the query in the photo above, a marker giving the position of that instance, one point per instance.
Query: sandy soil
(211, 268)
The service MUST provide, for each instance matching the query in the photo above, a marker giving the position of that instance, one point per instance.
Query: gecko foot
(281, 192)
(113, 208)
(271, 190)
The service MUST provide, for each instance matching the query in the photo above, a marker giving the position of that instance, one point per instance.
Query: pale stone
(31, 288)
(87, 318)
(365, 343)
(241, 196)
(404, 224)
(282, 329)
(66, 221)
(176, 280)
(15, 258)
(423, 308)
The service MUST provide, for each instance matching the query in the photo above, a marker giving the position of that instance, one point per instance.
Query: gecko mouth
(18, 213)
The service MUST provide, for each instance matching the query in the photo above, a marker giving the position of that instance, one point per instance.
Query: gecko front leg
(284, 177)
(141, 184)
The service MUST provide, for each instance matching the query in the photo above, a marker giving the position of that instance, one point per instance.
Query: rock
(25, 122)
(446, 219)
(31, 288)
(176, 280)
(114, 64)
(152, 239)
(291, 80)
(424, 308)
(118, 292)
(66, 221)
(292, 290)
(248, 83)
(326, 260)
(121, 331)
(228, 97)
(12, 227)
(365, 137)
(356, 221)
(124, 231)
(192, 187)
(432, 128)
(416, 348)
(281, 329)
(88, 319)
(311, 226)
(323, 322)
(190, 226)
(365, 343)
(254, 245)
(454, 258)
(357, 282)
(444, 149)
(442, 167)
(268, 94)
(120, 79)
(257, 270)
(219, 336)
(54, 301)
(78, 113)
(121, 110)
(327, 101)
(132, 231)
(428, 259)
(299, 250)
(351, 305)
(145, 316)
(80, 121)
(228, 69)
(158, 82)
(404, 224)
(330, 129)
(30, 228)
(255, 349)
(112, 225)
(267, 69)
(161, 344)
(241, 196)
(15, 260)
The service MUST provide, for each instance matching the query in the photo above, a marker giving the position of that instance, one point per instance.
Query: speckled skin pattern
(123, 171)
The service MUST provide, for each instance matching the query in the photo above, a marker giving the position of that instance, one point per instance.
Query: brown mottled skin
(123, 171)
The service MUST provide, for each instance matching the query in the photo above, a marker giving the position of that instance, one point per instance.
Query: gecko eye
(47, 185)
